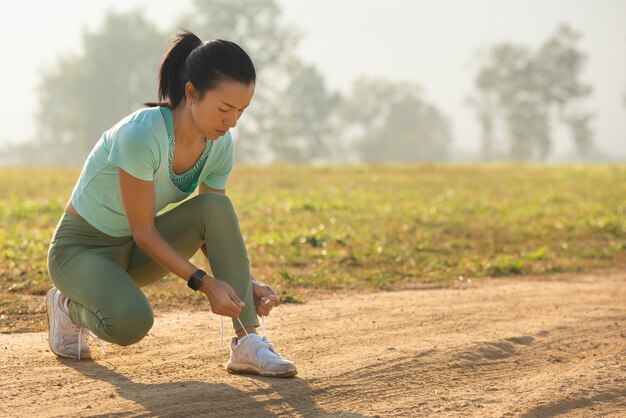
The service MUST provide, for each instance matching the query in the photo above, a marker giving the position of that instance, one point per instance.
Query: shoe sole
(235, 368)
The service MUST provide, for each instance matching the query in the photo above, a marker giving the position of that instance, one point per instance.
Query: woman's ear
(191, 93)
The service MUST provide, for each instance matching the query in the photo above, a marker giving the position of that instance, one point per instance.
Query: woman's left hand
(264, 298)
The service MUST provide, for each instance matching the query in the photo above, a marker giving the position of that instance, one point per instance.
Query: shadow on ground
(194, 398)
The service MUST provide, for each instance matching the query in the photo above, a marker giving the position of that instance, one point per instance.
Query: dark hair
(205, 64)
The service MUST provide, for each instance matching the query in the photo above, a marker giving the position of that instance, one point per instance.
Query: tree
(385, 121)
(559, 65)
(524, 93)
(303, 128)
(255, 26)
(86, 93)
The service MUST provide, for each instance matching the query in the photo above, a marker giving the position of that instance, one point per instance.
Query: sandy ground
(523, 346)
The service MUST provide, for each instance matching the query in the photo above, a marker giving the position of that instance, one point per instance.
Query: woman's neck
(185, 130)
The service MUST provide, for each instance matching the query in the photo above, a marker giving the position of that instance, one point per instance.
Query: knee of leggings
(216, 206)
(130, 325)
(215, 202)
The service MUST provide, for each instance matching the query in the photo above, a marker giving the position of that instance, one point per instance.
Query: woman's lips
(220, 132)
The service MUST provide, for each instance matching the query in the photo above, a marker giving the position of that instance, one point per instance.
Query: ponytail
(204, 64)
(172, 77)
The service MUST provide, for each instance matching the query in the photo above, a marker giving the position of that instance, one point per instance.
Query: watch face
(195, 280)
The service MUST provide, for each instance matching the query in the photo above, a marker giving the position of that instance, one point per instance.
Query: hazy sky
(428, 42)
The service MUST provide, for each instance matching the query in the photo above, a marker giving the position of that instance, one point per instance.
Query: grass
(357, 227)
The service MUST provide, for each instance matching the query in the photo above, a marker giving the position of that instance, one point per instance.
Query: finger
(236, 299)
(262, 311)
(261, 305)
(271, 301)
(273, 295)
(264, 290)
(266, 313)
(234, 313)
(264, 305)
(232, 308)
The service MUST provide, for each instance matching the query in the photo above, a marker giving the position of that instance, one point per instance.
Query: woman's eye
(223, 110)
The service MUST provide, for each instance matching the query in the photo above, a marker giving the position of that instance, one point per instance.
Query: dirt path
(525, 346)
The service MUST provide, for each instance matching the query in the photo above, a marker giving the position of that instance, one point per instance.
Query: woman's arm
(138, 200)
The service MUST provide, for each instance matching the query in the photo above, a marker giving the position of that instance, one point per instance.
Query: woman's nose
(231, 122)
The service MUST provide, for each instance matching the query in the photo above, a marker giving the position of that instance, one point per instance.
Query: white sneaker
(66, 339)
(256, 355)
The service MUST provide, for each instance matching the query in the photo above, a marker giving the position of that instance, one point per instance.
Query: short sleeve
(218, 178)
(135, 150)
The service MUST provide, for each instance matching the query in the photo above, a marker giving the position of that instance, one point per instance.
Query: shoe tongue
(262, 351)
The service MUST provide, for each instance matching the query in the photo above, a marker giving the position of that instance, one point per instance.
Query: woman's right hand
(222, 297)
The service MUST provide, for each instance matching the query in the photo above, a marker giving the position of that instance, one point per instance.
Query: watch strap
(196, 279)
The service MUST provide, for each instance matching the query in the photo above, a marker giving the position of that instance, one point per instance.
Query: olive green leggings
(102, 275)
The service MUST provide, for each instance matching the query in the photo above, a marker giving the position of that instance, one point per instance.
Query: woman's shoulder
(140, 133)
(148, 117)
(143, 125)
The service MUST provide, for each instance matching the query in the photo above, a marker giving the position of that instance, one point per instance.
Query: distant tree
(303, 129)
(385, 121)
(521, 94)
(87, 92)
(256, 26)
(559, 64)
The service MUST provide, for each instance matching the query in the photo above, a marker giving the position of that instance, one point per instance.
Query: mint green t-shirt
(139, 144)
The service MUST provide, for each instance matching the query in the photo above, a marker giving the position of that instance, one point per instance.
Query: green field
(355, 227)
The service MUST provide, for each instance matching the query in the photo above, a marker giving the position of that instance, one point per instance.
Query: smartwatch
(195, 279)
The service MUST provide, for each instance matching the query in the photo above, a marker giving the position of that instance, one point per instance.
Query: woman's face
(220, 108)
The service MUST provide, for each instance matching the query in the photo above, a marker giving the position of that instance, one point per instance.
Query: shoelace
(244, 328)
(88, 333)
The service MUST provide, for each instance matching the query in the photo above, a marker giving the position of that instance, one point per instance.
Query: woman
(109, 243)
